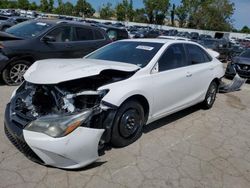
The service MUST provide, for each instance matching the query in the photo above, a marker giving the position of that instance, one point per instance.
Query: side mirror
(49, 39)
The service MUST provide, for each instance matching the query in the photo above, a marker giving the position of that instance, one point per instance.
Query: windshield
(246, 54)
(28, 29)
(137, 53)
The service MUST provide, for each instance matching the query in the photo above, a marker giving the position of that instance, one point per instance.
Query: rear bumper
(76, 150)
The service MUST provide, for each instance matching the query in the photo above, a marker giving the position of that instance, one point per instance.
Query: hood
(6, 36)
(241, 60)
(54, 71)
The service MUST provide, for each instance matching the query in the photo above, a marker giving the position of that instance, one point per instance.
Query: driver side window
(174, 57)
(61, 34)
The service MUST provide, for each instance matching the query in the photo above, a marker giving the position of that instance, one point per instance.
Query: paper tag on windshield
(149, 48)
(40, 23)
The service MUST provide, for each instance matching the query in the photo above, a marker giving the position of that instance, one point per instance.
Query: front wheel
(128, 124)
(210, 96)
(13, 73)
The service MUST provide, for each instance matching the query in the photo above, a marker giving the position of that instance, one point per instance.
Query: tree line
(197, 14)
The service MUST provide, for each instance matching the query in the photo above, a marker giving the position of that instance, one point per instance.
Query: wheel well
(27, 58)
(143, 101)
(217, 81)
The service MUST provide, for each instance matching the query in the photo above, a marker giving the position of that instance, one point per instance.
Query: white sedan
(69, 108)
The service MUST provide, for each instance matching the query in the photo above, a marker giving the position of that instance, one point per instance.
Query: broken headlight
(58, 125)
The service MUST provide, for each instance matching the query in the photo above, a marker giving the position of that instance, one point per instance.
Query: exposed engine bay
(34, 100)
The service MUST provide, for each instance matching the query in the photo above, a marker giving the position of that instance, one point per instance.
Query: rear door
(86, 40)
(61, 47)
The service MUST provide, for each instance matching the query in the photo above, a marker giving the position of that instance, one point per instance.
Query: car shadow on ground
(147, 129)
(171, 118)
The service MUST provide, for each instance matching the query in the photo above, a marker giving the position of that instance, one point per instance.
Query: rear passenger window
(98, 35)
(174, 57)
(197, 55)
(84, 34)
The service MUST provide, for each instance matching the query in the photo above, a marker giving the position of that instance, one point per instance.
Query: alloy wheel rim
(211, 95)
(17, 72)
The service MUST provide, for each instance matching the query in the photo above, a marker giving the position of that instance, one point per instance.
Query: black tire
(13, 73)
(128, 124)
(210, 96)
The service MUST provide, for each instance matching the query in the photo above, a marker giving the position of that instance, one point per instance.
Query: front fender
(120, 91)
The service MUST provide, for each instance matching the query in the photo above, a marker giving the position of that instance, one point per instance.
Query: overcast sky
(241, 16)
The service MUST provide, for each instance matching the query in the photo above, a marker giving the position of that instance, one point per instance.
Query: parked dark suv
(27, 42)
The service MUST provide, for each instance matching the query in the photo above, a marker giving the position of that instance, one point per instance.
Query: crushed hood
(54, 71)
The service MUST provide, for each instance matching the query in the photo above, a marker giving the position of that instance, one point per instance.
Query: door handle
(189, 74)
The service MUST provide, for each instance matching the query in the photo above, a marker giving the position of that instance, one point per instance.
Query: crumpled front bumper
(76, 150)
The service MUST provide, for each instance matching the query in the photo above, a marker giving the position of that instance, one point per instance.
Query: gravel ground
(193, 148)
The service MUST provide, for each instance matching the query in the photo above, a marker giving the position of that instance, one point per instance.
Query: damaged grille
(23, 147)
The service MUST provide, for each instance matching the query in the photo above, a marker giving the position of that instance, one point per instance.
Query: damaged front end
(64, 124)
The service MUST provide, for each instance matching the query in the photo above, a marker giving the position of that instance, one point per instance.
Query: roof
(159, 40)
(110, 27)
(59, 21)
(174, 38)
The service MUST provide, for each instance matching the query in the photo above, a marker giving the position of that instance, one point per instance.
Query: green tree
(51, 5)
(140, 15)
(68, 8)
(156, 9)
(33, 6)
(23, 4)
(125, 11)
(106, 11)
(3, 3)
(207, 14)
(245, 29)
(130, 11)
(172, 15)
(120, 12)
(12, 4)
(60, 8)
(83, 8)
(181, 14)
(44, 6)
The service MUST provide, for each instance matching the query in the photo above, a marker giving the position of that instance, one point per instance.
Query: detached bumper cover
(76, 150)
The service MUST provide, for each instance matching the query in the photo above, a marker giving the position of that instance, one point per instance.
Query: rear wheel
(210, 96)
(128, 123)
(13, 73)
